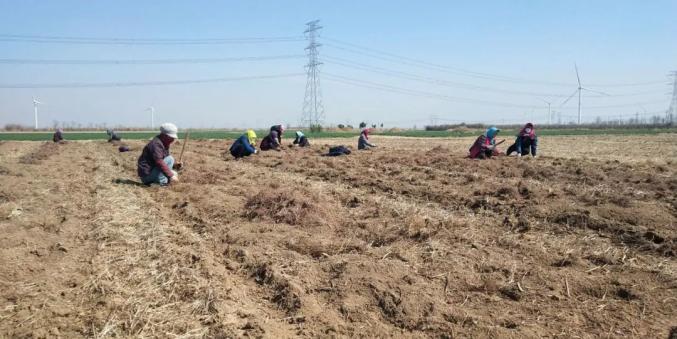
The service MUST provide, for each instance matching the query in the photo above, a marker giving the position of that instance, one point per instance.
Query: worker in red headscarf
(363, 142)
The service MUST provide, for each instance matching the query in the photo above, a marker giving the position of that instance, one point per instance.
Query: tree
(363, 124)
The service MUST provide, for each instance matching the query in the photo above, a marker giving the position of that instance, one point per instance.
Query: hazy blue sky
(521, 51)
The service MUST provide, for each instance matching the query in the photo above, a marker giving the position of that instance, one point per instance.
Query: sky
(400, 63)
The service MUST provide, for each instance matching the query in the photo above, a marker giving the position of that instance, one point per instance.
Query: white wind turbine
(36, 102)
(549, 112)
(579, 90)
(151, 109)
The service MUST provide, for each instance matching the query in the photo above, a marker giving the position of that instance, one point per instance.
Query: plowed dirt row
(410, 239)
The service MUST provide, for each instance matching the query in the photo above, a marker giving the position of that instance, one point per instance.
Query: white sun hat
(169, 130)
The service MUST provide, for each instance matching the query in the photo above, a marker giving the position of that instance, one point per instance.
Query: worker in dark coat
(526, 142)
(58, 135)
(274, 139)
(363, 141)
(112, 135)
(301, 140)
(155, 165)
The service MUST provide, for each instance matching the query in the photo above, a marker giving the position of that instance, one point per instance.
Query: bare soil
(410, 239)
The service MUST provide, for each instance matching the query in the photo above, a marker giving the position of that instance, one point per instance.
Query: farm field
(410, 239)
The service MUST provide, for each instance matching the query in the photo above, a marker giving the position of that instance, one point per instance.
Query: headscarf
(491, 133)
(366, 131)
(251, 136)
(299, 134)
(527, 131)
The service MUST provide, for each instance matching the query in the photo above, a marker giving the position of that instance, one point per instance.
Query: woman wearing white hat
(155, 164)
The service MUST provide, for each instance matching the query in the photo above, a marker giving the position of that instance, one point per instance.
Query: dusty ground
(408, 240)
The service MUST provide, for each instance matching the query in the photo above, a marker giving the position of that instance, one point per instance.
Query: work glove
(175, 177)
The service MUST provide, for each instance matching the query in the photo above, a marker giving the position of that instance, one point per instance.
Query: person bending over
(301, 140)
(485, 146)
(526, 142)
(244, 145)
(274, 139)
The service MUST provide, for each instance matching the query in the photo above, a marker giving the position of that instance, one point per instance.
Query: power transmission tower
(672, 111)
(313, 110)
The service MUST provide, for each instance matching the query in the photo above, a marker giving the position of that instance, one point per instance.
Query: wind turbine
(579, 90)
(151, 109)
(549, 112)
(36, 102)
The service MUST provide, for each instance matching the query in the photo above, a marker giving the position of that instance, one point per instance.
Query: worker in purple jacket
(58, 135)
(274, 139)
(155, 165)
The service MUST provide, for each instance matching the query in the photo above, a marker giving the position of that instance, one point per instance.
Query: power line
(415, 77)
(634, 104)
(400, 90)
(421, 65)
(437, 66)
(135, 41)
(143, 61)
(148, 83)
(424, 64)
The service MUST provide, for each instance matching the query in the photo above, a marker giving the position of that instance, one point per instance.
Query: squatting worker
(274, 139)
(363, 141)
(485, 146)
(58, 135)
(155, 164)
(301, 140)
(112, 135)
(526, 142)
(244, 145)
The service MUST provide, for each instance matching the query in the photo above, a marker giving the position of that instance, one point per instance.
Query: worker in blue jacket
(244, 145)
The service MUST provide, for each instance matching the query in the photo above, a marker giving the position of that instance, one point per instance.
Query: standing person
(301, 140)
(112, 135)
(485, 146)
(244, 145)
(58, 135)
(155, 164)
(274, 139)
(526, 142)
(363, 141)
